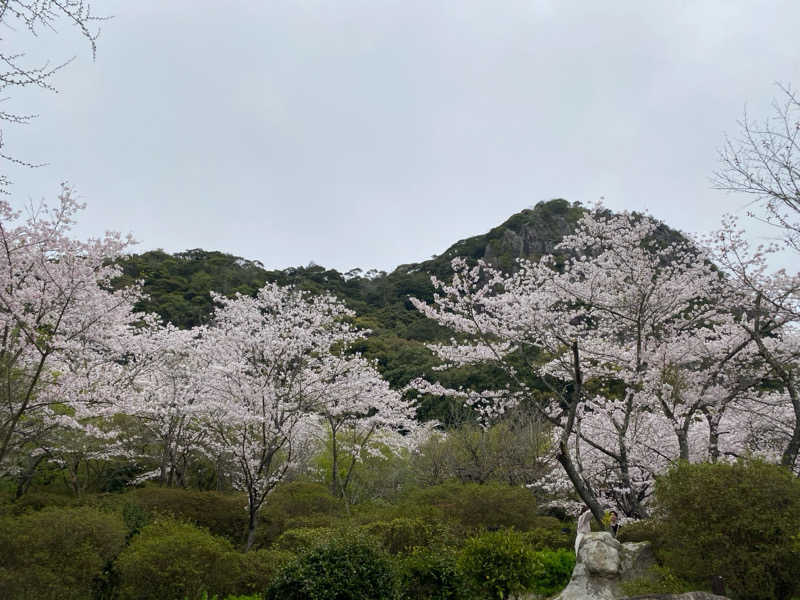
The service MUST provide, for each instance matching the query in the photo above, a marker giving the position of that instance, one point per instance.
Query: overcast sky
(375, 133)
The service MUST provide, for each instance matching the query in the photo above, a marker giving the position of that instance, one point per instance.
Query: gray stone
(600, 553)
(603, 564)
(686, 596)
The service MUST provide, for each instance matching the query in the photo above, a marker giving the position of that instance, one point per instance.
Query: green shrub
(472, 506)
(220, 513)
(402, 534)
(350, 567)
(303, 539)
(657, 580)
(735, 521)
(169, 560)
(57, 553)
(135, 517)
(642, 531)
(548, 539)
(295, 505)
(431, 574)
(258, 568)
(39, 500)
(498, 563)
(552, 571)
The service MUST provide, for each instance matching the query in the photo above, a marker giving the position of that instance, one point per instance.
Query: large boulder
(685, 596)
(603, 564)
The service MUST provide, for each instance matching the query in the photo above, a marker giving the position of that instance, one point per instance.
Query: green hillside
(179, 285)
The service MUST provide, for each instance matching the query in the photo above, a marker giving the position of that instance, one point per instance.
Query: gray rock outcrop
(686, 596)
(604, 564)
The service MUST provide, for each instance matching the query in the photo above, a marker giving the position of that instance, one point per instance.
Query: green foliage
(498, 563)
(548, 538)
(135, 517)
(642, 531)
(432, 574)
(348, 567)
(38, 500)
(205, 596)
(736, 521)
(471, 506)
(401, 535)
(258, 568)
(177, 287)
(221, 513)
(379, 471)
(511, 451)
(168, 559)
(552, 571)
(657, 580)
(298, 504)
(303, 539)
(57, 553)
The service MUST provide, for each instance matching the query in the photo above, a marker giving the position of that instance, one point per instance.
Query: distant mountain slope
(527, 234)
(179, 285)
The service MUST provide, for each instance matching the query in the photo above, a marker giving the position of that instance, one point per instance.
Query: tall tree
(602, 326)
(272, 368)
(62, 332)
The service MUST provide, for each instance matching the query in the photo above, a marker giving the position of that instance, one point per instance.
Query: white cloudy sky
(373, 133)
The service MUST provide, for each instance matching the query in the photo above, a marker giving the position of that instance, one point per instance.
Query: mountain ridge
(178, 289)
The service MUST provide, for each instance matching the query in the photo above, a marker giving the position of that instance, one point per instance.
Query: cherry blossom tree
(274, 366)
(361, 414)
(769, 301)
(63, 331)
(598, 331)
(165, 397)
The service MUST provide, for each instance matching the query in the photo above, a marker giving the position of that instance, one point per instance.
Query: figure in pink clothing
(584, 527)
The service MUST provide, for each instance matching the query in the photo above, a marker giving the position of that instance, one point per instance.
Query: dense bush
(258, 568)
(348, 567)
(474, 506)
(168, 559)
(402, 534)
(641, 531)
(303, 539)
(296, 505)
(656, 580)
(736, 521)
(222, 514)
(57, 553)
(498, 563)
(431, 574)
(549, 533)
(552, 571)
(40, 499)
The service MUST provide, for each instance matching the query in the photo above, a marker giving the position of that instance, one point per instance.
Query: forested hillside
(178, 287)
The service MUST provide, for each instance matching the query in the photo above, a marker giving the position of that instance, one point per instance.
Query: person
(584, 527)
(613, 522)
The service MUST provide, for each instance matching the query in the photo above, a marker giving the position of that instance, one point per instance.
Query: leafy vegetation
(498, 564)
(738, 521)
(348, 566)
(57, 553)
(172, 560)
(178, 289)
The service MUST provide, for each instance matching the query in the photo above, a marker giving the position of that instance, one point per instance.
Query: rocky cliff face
(527, 234)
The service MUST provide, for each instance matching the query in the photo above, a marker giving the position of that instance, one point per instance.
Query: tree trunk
(251, 527)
